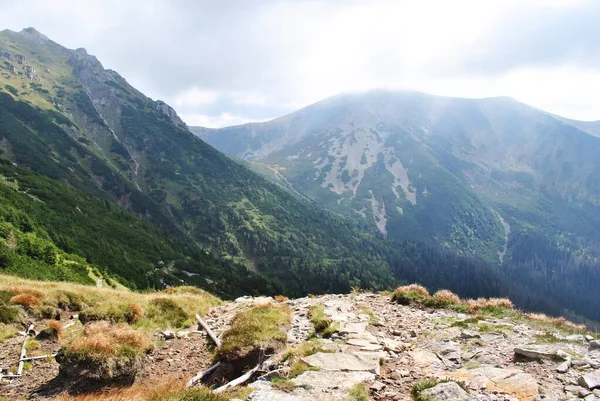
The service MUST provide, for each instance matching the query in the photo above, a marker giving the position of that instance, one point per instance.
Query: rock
(563, 355)
(183, 334)
(590, 380)
(575, 337)
(168, 334)
(353, 328)
(589, 338)
(595, 344)
(377, 386)
(468, 334)
(532, 352)
(512, 381)
(449, 391)
(564, 367)
(366, 362)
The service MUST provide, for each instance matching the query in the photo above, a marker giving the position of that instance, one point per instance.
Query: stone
(168, 334)
(575, 337)
(353, 328)
(183, 334)
(590, 380)
(564, 367)
(595, 344)
(377, 386)
(512, 381)
(366, 362)
(449, 391)
(532, 352)
(589, 338)
(563, 355)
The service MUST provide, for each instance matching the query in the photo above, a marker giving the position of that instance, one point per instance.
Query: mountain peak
(35, 34)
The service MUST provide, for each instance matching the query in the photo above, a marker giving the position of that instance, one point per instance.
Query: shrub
(446, 297)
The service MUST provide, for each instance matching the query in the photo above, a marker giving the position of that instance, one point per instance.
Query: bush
(410, 293)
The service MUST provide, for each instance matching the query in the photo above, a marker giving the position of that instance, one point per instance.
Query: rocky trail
(391, 348)
(385, 347)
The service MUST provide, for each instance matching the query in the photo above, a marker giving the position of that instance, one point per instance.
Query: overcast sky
(227, 62)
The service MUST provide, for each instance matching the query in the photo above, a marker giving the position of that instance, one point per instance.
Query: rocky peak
(170, 113)
(34, 34)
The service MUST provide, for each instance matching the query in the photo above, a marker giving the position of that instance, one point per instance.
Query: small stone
(564, 367)
(168, 334)
(377, 386)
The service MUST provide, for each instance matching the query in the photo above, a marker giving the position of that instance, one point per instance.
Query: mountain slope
(457, 172)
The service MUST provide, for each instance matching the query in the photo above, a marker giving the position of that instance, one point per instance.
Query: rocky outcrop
(447, 392)
(170, 113)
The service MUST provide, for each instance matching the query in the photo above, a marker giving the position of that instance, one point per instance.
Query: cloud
(230, 61)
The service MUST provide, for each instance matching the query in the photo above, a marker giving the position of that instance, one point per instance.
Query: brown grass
(281, 298)
(102, 339)
(559, 322)
(27, 300)
(170, 390)
(56, 327)
(414, 288)
(446, 296)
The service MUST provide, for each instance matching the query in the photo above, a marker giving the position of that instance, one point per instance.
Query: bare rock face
(591, 380)
(170, 113)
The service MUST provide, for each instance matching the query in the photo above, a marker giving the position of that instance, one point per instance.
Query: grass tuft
(358, 392)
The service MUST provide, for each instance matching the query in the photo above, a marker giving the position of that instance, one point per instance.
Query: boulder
(511, 381)
(590, 380)
(564, 367)
(449, 391)
(366, 362)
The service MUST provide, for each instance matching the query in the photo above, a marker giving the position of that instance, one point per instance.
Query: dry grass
(106, 303)
(558, 322)
(447, 297)
(414, 288)
(26, 300)
(167, 391)
(281, 298)
(102, 339)
(55, 327)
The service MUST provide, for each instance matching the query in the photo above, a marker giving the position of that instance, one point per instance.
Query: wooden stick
(32, 358)
(201, 375)
(240, 380)
(23, 351)
(208, 330)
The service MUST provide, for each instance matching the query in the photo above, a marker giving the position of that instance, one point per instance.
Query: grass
(318, 317)
(372, 318)
(171, 308)
(259, 327)
(102, 340)
(7, 331)
(299, 367)
(283, 384)
(167, 391)
(358, 392)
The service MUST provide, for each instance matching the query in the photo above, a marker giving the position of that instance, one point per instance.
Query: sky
(227, 62)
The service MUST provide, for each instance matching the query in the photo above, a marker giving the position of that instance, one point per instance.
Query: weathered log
(24, 351)
(202, 375)
(211, 334)
(33, 358)
(240, 380)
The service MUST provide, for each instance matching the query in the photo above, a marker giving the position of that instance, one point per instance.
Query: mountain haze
(458, 172)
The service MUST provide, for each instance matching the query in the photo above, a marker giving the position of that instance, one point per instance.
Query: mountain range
(488, 197)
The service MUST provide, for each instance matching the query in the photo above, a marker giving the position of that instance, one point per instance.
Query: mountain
(107, 174)
(464, 173)
(100, 180)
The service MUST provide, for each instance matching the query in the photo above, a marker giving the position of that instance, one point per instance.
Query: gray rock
(575, 337)
(367, 362)
(447, 392)
(532, 353)
(564, 367)
(590, 380)
(168, 334)
(595, 344)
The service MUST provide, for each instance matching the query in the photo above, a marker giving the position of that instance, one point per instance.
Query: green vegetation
(283, 384)
(358, 392)
(322, 323)
(261, 327)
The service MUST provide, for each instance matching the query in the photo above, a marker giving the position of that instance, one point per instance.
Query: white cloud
(222, 120)
(233, 61)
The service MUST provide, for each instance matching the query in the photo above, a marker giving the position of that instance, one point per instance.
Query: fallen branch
(240, 380)
(208, 330)
(201, 375)
(32, 358)
(71, 323)
(24, 351)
